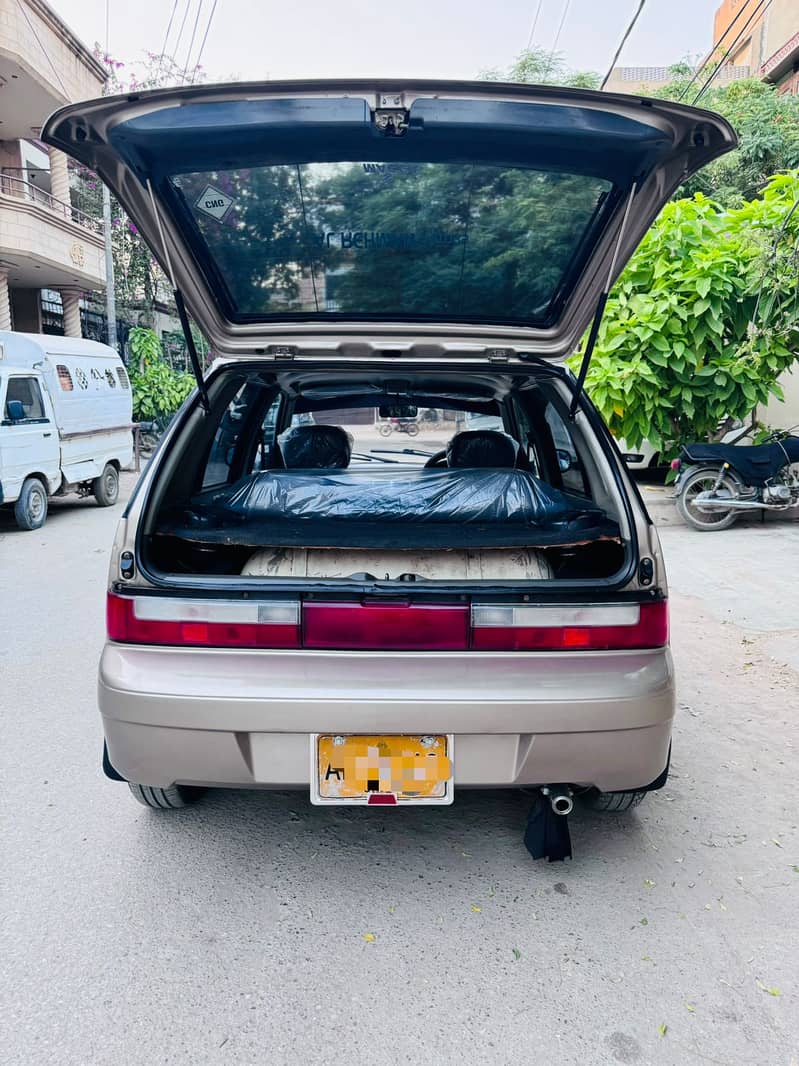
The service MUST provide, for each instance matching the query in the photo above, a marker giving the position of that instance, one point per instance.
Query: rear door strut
(182, 313)
(600, 310)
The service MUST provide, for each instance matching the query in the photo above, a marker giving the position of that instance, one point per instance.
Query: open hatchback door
(366, 217)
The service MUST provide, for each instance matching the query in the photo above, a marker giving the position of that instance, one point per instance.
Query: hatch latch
(390, 116)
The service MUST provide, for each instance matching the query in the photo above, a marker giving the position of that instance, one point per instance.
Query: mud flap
(547, 834)
(108, 769)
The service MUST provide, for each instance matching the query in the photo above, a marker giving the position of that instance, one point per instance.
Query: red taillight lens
(386, 626)
(209, 624)
(614, 627)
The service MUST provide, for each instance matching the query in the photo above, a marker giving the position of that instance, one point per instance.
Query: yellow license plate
(381, 770)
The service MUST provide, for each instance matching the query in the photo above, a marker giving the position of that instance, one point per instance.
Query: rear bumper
(242, 718)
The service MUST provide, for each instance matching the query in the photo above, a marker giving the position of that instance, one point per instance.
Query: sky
(254, 39)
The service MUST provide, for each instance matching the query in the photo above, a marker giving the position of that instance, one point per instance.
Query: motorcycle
(398, 425)
(716, 483)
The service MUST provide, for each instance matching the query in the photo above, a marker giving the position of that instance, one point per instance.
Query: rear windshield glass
(454, 241)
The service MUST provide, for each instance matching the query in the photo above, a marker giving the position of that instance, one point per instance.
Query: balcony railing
(13, 185)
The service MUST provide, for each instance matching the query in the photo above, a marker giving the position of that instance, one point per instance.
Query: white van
(66, 422)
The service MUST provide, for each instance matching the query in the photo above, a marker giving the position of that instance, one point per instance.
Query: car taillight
(386, 626)
(609, 627)
(203, 623)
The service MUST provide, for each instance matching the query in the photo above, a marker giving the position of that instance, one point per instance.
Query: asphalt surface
(235, 931)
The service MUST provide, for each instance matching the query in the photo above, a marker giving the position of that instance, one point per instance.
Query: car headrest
(315, 447)
(482, 447)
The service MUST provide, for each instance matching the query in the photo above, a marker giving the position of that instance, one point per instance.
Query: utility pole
(110, 288)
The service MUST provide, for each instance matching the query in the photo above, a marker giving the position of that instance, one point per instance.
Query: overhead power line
(534, 25)
(205, 38)
(166, 35)
(197, 14)
(176, 45)
(759, 10)
(717, 44)
(566, 6)
(622, 42)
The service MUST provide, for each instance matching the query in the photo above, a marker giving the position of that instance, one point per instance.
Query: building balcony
(46, 242)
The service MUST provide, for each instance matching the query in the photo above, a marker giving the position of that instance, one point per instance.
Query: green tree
(767, 124)
(539, 66)
(140, 282)
(703, 320)
(158, 390)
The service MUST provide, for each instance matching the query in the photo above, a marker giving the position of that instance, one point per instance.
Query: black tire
(613, 802)
(105, 488)
(164, 799)
(384, 430)
(413, 430)
(706, 521)
(30, 510)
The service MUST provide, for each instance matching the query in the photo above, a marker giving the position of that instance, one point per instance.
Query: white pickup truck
(66, 422)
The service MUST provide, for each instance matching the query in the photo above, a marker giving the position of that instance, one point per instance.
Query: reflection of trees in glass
(406, 238)
(455, 239)
(260, 247)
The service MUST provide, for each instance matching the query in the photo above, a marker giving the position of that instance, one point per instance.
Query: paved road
(233, 933)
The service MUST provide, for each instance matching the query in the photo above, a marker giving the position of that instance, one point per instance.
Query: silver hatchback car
(297, 600)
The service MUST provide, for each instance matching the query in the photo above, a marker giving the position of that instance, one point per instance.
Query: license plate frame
(366, 798)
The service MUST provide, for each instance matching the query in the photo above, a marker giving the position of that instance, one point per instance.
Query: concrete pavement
(234, 932)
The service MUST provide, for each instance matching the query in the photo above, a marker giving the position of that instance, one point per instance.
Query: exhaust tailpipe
(560, 798)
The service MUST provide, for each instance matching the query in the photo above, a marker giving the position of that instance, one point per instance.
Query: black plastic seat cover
(315, 448)
(482, 448)
(756, 463)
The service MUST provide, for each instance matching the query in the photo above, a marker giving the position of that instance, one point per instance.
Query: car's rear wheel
(689, 502)
(30, 509)
(613, 802)
(164, 799)
(105, 488)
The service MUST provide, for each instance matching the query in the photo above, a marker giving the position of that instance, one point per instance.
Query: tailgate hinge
(600, 309)
(390, 116)
(283, 352)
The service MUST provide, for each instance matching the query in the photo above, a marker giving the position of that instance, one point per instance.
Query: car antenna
(600, 310)
(181, 308)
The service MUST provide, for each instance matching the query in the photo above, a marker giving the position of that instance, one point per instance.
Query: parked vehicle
(719, 482)
(377, 633)
(66, 425)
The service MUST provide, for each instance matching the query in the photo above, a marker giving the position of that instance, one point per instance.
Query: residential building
(769, 39)
(649, 79)
(765, 44)
(50, 252)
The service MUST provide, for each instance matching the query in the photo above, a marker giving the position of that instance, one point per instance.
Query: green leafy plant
(703, 320)
(158, 390)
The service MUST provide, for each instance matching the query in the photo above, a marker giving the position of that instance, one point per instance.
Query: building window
(109, 377)
(123, 377)
(64, 378)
